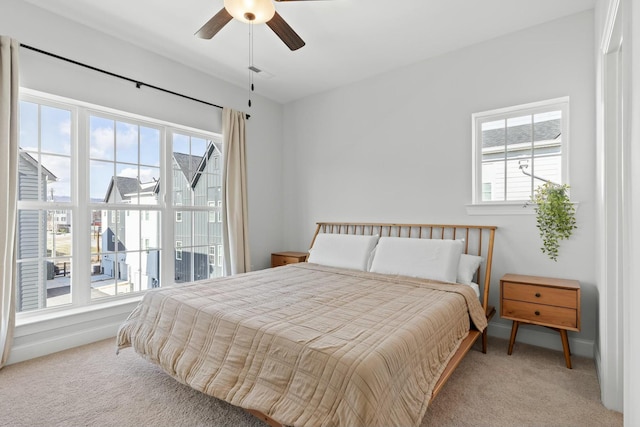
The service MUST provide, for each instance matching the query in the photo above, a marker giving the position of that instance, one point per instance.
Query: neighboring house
(128, 235)
(197, 181)
(128, 239)
(547, 142)
(31, 295)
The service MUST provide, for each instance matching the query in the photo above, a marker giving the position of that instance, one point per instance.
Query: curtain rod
(138, 83)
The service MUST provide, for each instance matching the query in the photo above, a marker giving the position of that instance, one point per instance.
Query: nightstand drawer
(283, 258)
(540, 294)
(546, 315)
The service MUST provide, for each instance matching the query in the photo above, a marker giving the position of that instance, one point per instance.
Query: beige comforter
(306, 344)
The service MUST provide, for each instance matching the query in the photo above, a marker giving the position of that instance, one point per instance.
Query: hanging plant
(556, 216)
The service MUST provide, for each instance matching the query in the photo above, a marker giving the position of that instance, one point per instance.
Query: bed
(339, 340)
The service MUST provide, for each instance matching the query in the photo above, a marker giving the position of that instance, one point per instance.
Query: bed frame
(479, 240)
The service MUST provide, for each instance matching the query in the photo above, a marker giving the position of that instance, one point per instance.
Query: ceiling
(346, 40)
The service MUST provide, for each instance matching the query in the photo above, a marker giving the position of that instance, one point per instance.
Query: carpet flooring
(91, 386)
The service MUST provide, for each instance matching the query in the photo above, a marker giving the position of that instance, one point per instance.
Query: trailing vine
(555, 218)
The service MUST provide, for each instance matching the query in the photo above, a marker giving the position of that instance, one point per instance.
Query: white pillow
(343, 250)
(475, 287)
(435, 259)
(467, 268)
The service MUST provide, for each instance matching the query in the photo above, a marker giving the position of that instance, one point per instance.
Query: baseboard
(43, 337)
(542, 337)
(33, 349)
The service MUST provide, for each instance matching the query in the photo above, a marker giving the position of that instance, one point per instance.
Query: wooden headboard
(478, 241)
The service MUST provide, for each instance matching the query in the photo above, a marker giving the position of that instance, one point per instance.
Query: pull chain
(251, 60)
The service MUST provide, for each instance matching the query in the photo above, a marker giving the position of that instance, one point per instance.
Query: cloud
(146, 175)
(102, 143)
(102, 140)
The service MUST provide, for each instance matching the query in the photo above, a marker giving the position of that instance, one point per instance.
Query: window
(94, 171)
(212, 255)
(196, 185)
(212, 213)
(517, 149)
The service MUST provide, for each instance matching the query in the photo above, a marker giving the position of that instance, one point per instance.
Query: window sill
(514, 208)
(39, 317)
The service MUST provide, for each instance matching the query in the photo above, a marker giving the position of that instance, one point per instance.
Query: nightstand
(284, 258)
(544, 301)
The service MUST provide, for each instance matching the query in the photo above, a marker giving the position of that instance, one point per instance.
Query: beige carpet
(91, 386)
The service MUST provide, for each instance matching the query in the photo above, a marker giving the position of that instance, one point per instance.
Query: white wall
(397, 148)
(41, 29)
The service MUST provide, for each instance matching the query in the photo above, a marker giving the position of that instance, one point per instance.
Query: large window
(93, 213)
(517, 149)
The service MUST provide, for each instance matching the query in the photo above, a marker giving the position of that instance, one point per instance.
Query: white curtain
(8, 195)
(235, 229)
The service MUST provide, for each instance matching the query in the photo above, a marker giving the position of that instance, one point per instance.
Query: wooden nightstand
(284, 258)
(544, 301)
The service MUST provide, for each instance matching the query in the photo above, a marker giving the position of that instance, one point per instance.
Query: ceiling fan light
(243, 10)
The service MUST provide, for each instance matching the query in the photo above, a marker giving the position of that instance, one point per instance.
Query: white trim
(562, 103)
(499, 208)
(631, 291)
(43, 334)
(610, 233)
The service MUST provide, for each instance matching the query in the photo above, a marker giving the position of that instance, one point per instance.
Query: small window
(212, 213)
(220, 256)
(219, 210)
(178, 216)
(178, 250)
(212, 255)
(519, 148)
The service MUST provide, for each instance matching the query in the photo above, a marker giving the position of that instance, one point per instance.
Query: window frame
(477, 119)
(81, 206)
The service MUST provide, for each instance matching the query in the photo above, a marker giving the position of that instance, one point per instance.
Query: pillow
(435, 259)
(475, 287)
(343, 250)
(467, 268)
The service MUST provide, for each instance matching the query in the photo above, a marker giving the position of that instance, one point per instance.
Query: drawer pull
(537, 313)
(537, 294)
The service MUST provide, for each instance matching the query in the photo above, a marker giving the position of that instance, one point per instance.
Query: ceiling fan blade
(285, 32)
(214, 24)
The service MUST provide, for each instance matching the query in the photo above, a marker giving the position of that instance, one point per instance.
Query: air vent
(264, 75)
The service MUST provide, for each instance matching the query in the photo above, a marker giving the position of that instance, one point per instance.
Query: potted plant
(555, 216)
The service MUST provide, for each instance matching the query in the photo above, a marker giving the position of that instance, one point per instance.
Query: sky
(116, 148)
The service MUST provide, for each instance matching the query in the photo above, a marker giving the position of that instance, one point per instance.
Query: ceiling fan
(256, 12)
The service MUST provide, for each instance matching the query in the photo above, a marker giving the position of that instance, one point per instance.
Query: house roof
(33, 162)
(542, 131)
(188, 164)
(191, 166)
(125, 186)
